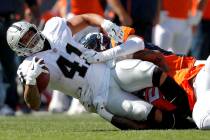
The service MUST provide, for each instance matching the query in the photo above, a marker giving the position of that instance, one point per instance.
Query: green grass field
(83, 127)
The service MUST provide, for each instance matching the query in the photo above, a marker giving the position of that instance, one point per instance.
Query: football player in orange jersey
(188, 73)
(166, 83)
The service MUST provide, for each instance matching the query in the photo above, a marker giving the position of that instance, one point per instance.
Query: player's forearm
(132, 45)
(32, 96)
(93, 19)
(117, 7)
(79, 22)
(120, 122)
(126, 124)
(155, 57)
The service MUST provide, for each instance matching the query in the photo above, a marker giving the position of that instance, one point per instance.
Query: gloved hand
(34, 70)
(113, 31)
(95, 57)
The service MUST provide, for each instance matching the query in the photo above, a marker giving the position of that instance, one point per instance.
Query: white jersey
(69, 73)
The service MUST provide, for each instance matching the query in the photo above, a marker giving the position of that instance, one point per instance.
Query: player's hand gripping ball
(38, 74)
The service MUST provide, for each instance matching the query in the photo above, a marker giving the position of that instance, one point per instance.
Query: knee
(205, 123)
(135, 112)
(127, 106)
(201, 111)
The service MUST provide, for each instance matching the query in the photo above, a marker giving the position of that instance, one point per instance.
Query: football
(43, 79)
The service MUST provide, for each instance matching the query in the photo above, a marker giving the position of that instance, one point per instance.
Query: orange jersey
(206, 14)
(83, 6)
(178, 8)
(182, 70)
(194, 7)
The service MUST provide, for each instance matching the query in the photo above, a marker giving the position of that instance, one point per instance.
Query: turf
(83, 127)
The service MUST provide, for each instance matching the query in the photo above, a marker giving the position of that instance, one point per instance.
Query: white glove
(194, 20)
(113, 30)
(95, 57)
(35, 69)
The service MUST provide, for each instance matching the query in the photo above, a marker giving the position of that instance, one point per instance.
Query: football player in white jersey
(93, 84)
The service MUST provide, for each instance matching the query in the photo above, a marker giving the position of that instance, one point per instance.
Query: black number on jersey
(70, 68)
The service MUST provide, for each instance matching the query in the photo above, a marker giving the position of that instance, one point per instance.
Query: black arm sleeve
(151, 46)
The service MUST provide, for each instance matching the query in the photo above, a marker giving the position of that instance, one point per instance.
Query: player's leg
(201, 110)
(59, 102)
(163, 36)
(198, 62)
(202, 80)
(173, 93)
(127, 105)
(76, 107)
(133, 75)
(182, 41)
(155, 97)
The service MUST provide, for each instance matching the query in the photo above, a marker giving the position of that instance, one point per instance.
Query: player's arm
(79, 22)
(152, 56)
(32, 96)
(127, 124)
(122, 13)
(31, 92)
(131, 45)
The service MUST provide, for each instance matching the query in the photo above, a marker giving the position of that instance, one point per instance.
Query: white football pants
(201, 110)
(130, 75)
(173, 35)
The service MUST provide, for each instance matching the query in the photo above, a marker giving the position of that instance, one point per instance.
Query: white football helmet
(24, 38)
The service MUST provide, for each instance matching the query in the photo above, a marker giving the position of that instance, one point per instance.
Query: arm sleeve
(131, 46)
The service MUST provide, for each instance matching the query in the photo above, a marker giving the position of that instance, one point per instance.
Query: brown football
(43, 79)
